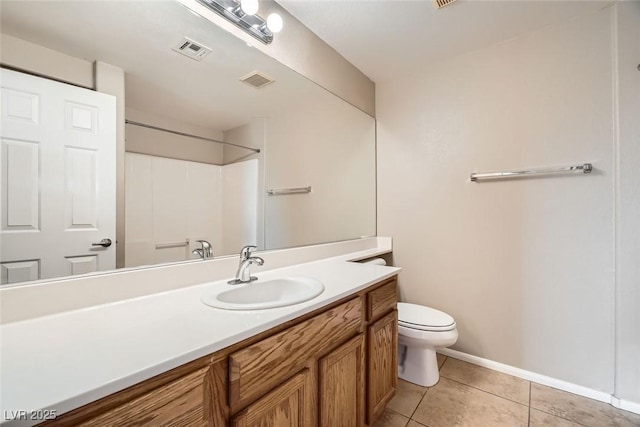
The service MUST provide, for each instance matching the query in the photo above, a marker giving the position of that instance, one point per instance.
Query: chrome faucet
(205, 251)
(243, 275)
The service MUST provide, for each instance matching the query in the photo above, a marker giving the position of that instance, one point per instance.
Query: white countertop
(66, 360)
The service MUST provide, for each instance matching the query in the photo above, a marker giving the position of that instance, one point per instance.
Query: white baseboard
(626, 405)
(544, 380)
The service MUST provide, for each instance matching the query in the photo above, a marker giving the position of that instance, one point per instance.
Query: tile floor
(469, 395)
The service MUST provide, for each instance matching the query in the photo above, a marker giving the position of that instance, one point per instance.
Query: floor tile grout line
(493, 371)
(530, 389)
(558, 416)
(425, 392)
(549, 413)
(488, 392)
(397, 413)
(402, 415)
(529, 422)
(418, 405)
(528, 405)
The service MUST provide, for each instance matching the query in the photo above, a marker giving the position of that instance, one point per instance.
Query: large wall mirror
(232, 147)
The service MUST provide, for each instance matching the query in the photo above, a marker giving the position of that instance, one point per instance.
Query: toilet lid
(424, 318)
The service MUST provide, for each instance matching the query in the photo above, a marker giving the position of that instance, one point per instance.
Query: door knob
(105, 243)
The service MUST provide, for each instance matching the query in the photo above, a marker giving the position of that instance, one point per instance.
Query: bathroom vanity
(333, 366)
(167, 358)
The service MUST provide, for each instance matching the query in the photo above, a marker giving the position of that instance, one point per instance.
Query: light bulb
(274, 23)
(250, 7)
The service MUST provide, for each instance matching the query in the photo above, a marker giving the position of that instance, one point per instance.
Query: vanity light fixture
(274, 22)
(243, 13)
(250, 7)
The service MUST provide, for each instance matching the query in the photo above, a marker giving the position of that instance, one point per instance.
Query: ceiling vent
(442, 3)
(192, 49)
(256, 79)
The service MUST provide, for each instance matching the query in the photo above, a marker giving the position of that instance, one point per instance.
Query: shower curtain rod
(131, 122)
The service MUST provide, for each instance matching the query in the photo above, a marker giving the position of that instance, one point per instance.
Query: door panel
(81, 117)
(21, 271)
(82, 264)
(21, 160)
(20, 106)
(81, 183)
(58, 177)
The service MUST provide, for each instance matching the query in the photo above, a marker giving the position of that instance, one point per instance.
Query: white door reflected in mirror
(58, 194)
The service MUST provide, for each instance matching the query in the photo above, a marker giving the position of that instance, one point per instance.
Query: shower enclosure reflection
(216, 201)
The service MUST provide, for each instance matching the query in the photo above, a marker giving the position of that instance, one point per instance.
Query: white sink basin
(265, 293)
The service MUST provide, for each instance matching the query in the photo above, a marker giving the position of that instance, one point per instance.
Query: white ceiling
(386, 37)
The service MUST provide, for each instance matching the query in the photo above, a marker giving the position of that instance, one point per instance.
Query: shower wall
(172, 203)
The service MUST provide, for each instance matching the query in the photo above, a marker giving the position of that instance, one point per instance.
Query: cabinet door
(383, 363)
(342, 385)
(289, 405)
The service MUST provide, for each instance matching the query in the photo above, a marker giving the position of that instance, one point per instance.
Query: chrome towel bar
(172, 245)
(584, 168)
(282, 191)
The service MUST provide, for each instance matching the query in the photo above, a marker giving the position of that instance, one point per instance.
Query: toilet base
(419, 365)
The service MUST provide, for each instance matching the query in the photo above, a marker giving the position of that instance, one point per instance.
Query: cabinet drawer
(382, 300)
(179, 403)
(258, 368)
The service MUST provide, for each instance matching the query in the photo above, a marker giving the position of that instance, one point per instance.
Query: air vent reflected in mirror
(442, 3)
(256, 79)
(192, 49)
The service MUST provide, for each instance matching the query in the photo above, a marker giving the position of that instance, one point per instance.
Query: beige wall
(157, 143)
(526, 267)
(329, 146)
(628, 203)
(249, 135)
(36, 59)
(301, 50)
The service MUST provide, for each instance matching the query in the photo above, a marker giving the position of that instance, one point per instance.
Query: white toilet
(422, 330)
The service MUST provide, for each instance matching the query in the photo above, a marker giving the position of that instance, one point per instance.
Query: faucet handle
(198, 252)
(245, 253)
(206, 249)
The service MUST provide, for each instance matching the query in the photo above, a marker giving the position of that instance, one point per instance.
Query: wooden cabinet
(342, 385)
(258, 368)
(179, 403)
(290, 405)
(382, 300)
(334, 367)
(383, 363)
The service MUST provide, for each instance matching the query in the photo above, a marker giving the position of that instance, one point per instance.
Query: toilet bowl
(422, 330)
